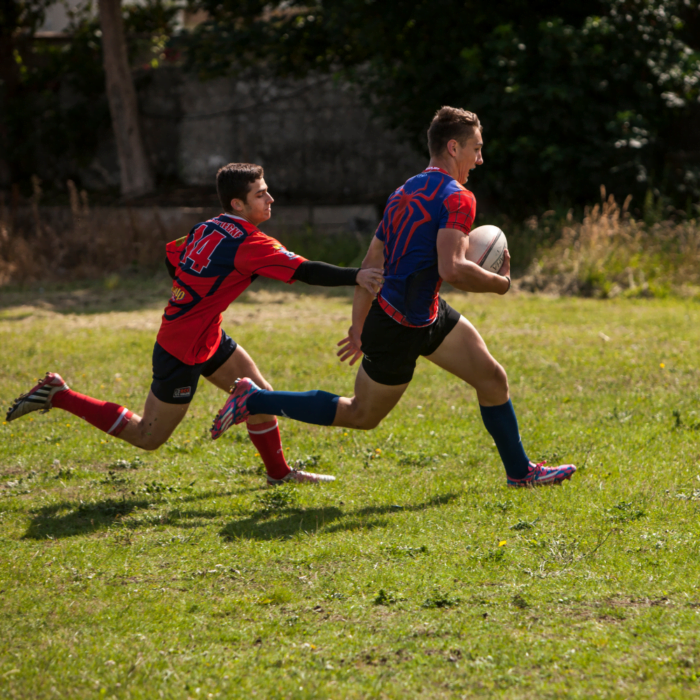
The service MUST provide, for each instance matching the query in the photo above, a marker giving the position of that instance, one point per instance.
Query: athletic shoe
(38, 398)
(235, 409)
(539, 475)
(301, 478)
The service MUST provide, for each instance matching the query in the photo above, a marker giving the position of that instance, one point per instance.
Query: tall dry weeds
(609, 254)
(39, 243)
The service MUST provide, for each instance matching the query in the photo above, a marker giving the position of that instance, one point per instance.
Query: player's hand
(349, 351)
(505, 268)
(350, 347)
(371, 279)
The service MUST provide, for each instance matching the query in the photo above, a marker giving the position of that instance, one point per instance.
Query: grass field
(417, 574)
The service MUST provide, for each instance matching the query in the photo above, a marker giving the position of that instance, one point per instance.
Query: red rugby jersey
(214, 265)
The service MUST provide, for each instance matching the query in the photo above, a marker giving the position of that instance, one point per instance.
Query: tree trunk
(136, 174)
(9, 20)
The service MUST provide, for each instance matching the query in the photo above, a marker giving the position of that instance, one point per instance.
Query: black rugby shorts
(176, 382)
(391, 350)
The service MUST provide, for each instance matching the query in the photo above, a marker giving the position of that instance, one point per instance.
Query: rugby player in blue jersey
(420, 242)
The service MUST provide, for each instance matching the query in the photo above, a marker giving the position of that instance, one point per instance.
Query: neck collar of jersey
(233, 216)
(434, 169)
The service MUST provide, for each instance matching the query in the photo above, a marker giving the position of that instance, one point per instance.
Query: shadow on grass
(68, 518)
(287, 522)
(52, 522)
(71, 519)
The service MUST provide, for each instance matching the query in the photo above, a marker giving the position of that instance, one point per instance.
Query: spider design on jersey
(404, 209)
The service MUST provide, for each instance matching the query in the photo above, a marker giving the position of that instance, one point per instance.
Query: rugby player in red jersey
(211, 267)
(421, 241)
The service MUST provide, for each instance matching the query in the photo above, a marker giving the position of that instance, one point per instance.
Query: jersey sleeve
(380, 233)
(458, 211)
(262, 255)
(174, 249)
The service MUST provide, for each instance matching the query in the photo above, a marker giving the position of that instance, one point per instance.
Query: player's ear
(236, 205)
(452, 147)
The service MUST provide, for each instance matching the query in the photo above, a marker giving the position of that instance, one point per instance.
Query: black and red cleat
(38, 398)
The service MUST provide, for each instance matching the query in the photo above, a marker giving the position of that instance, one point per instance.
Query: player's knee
(150, 444)
(500, 378)
(365, 425)
(492, 385)
(500, 389)
(359, 418)
(369, 423)
(366, 421)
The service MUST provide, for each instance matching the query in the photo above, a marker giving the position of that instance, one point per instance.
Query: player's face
(468, 156)
(257, 207)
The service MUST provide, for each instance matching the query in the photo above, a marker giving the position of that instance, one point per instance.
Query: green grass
(175, 574)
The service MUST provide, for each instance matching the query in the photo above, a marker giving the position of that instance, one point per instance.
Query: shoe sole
(227, 416)
(279, 482)
(535, 484)
(220, 429)
(44, 402)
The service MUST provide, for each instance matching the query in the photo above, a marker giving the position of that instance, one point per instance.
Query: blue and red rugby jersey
(214, 265)
(412, 218)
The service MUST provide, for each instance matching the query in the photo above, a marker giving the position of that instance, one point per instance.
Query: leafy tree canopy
(572, 95)
(53, 90)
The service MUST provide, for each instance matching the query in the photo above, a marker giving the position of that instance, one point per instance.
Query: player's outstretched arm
(463, 274)
(370, 279)
(326, 275)
(350, 345)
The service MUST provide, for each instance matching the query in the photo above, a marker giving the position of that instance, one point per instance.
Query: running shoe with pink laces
(539, 475)
(301, 478)
(38, 398)
(235, 409)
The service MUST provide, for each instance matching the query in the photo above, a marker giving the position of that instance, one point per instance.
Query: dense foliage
(54, 88)
(571, 96)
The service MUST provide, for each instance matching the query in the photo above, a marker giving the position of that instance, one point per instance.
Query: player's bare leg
(148, 432)
(371, 403)
(160, 419)
(157, 424)
(464, 354)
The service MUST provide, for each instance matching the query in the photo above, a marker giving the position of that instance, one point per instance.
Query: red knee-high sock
(267, 441)
(110, 418)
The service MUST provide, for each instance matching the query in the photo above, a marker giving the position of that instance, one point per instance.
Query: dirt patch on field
(260, 307)
(300, 310)
(10, 473)
(136, 320)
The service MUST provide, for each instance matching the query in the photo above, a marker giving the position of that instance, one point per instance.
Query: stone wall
(315, 139)
(168, 223)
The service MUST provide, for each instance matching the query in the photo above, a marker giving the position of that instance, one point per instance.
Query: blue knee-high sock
(501, 422)
(317, 407)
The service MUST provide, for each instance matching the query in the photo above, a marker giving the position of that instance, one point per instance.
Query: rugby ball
(487, 245)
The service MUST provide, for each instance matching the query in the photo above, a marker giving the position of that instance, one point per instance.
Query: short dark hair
(451, 123)
(233, 181)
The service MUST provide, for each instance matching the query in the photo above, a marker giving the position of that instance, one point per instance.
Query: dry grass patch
(610, 254)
